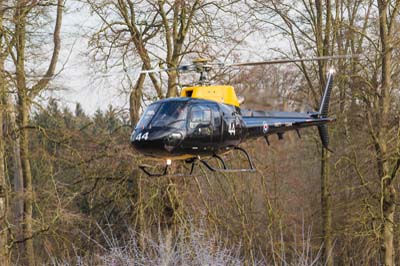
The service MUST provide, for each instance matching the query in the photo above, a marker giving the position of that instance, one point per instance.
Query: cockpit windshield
(167, 114)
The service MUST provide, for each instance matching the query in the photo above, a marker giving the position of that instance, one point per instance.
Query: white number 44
(140, 137)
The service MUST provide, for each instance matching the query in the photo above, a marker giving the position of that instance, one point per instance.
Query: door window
(199, 115)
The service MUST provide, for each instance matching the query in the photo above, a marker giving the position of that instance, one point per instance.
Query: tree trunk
(27, 179)
(388, 193)
(388, 209)
(18, 181)
(326, 209)
(3, 188)
(135, 100)
(3, 198)
(323, 44)
(141, 227)
(3, 183)
(23, 121)
(172, 84)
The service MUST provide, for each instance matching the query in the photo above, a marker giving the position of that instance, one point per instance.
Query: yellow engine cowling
(221, 93)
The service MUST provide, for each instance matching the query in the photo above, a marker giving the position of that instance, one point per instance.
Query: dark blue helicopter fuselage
(183, 128)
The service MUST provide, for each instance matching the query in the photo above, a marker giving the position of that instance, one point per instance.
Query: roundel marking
(265, 127)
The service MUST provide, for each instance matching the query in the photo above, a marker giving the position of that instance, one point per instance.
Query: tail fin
(324, 108)
(323, 111)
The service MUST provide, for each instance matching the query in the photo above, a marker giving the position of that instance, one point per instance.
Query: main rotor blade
(291, 60)
(157, 70)
(185, 68)
(182, 68)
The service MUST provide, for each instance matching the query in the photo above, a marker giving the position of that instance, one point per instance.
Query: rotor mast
(203, 68)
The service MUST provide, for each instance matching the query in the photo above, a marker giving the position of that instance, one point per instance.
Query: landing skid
(193, 162)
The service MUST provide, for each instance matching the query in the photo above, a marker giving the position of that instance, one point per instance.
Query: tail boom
(265, 126)
(259, 123)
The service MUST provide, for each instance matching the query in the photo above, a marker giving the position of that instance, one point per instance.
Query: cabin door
(200, 127)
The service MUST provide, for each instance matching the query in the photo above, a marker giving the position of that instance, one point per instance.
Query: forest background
(70, 189)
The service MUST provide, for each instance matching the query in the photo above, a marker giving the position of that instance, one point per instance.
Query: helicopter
(206, 121)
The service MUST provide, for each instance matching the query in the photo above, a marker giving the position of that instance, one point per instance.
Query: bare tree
(3, 187)
(345, 27)
(26, 94)
(156, 33)
(388, 162)
(308, 26)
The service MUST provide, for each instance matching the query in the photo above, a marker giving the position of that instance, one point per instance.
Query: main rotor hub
(203, 68)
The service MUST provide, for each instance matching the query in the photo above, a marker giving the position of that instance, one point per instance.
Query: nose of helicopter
(155, 142)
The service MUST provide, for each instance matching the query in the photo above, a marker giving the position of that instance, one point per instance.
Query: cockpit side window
(170, 114)
(199, 115)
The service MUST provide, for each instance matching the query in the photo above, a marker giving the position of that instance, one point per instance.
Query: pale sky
(79, 81)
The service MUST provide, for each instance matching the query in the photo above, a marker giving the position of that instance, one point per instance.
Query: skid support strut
(145, 169)
(225, 169)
